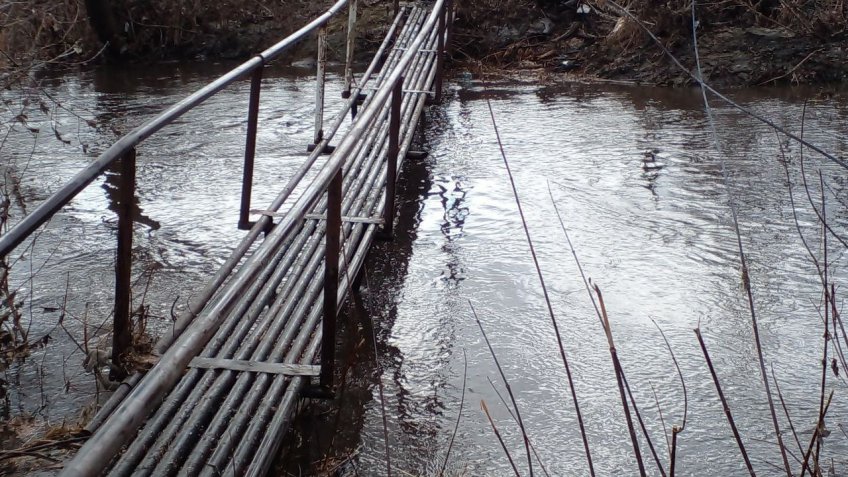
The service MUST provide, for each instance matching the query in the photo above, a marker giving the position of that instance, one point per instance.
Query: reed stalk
(724, 404)
(743, 261)
(512, 415)
(508, 389)
(619, 376)
(815, 438)
(500, 439)
(786, 412)
(458, 414)
(560, 344)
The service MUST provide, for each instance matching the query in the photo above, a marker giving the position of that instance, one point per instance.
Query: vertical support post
(122, 331)
(250, 148)
(397, 7)
(451, 13)
(319, 85)
(392, 161)
(331, 279)
(440, 55)
(351, 41)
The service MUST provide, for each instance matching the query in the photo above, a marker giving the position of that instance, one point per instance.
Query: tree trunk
(104, 22)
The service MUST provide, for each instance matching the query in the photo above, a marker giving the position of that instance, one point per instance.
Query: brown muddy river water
(656, 237)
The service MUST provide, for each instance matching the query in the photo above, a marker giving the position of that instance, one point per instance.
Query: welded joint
(406, 91)
(285, 369)
(422, 50)
(348, 219)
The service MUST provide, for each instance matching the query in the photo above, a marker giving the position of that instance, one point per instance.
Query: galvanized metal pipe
(204, 297)
(63, 196)
(167, 414)
(418, 107)
(391, 161)
(173, 448)
(255, 393)
(300, 201)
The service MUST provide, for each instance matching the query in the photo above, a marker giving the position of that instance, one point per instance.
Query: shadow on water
(325, 434)
(636, 176)
(656, 237)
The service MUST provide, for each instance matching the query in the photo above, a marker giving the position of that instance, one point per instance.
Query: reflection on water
(185, 209)
(641, 190)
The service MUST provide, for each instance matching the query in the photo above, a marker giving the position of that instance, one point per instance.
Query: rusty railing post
(451, 16)
(392, 162)
(331, 280)
(320, 69)
(250, 148)
(351, 41)
(122, 328)
(440, 55)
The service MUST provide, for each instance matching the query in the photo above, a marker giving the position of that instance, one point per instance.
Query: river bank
(740, 45)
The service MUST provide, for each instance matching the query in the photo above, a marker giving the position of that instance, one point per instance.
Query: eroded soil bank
(742, 43)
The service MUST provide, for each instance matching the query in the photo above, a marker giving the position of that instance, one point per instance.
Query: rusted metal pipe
(440, 55)
(250, 149)
(392, 162)
(331, 280)
(122, 328)
(451, 17)
(320, 77)
(172, 363)
(349, 46)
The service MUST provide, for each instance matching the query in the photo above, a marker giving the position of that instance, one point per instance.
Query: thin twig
(786, 412)
(815, 437)
(508, 388)
(793, 69)
(545, 294)
(509, 410)
(716, 93)
(619, 376)
(500, 439)
(724, 404)
(458, 414)
(746, 278)
(662, 419)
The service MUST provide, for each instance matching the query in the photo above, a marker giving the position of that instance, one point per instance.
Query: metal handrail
(149, 392)
(29, 224)
(336, 161)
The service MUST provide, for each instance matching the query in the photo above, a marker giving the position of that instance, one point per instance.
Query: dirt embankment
(71, 33)
(741, 42)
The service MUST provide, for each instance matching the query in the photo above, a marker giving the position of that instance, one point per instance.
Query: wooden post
(331, 279)
(122, 328)
(392, 162)
(250, 149)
